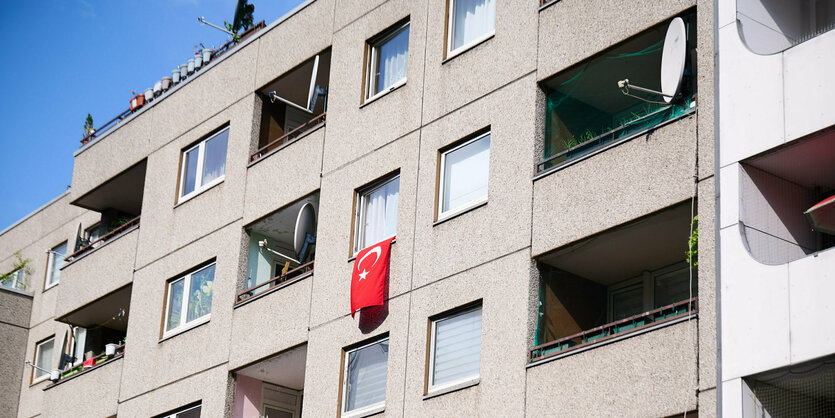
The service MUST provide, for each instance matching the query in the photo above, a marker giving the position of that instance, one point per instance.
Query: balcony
(273, 386)
(624, 281)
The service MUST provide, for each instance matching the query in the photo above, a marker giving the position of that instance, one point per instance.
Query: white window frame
(362, 203)
(198, 180)
(41, 378)
(433, 335)
(177, 413)
(469, 205)
(18, 280)
(51, 264)
(371, 69)
(184, 326)
(451, 30)
(79, 334)
(368, 409)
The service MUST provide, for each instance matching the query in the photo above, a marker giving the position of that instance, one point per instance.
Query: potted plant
(88, 129)
(149, 94)
(110, 350)
(137, 101)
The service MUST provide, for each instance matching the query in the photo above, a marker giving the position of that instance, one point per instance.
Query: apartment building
(777, 159)
(544, 261)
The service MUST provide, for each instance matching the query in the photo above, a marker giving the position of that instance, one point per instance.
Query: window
(650, 291)
(464, 173)
(79, 341)
(364, 379)
(191, 411)
(455, 349)
(470, 22)
(55, 260)
(204, 164)
(387, 61)
(377, 212)
(189, 300)
(15, 280)
(43, 359)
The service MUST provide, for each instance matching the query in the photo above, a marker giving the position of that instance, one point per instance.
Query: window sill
(50, 286)
(459, 212)
(364, 412)
(185, 328)
(452, 388)
(354, 257)
(383, 93)
(44, 378)
(208, 187)
(464, 48)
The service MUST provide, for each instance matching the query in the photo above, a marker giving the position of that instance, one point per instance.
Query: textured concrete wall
(94, 394)
(210, 387)
(15, 308)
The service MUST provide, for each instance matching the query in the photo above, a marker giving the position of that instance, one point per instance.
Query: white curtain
(393, 60)
(466, 171)
(471, 20)
(381, 213)
(214, 162)
(457, 348)
(367, 369)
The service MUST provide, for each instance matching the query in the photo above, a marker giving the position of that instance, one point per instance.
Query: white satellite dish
(672, 59)
(303, 235)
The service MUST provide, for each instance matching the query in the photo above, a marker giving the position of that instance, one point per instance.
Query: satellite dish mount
(673, 59)
(303, 236)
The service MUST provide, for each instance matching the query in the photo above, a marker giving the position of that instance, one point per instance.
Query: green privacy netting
(585, 109)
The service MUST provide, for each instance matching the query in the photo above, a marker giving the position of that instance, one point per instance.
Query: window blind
(457, 350)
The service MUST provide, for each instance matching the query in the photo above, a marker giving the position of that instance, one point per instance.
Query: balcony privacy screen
(586, 110)
(457, 350)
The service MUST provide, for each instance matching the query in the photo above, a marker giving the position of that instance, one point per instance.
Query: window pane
(457, 348)
(366, 382)
(472, 19)
(191, 413)
(214, 164)
(57, 262)
(380, 213)
(465, 174)
(44, 360)
(626, 303)
(79, 340)
(200, 299)
(190, 174)
(175, 304)
(392, 60)
(672, 287)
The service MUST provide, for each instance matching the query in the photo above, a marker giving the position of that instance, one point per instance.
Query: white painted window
(377, 212)
(43, 359)
(79, 341)
(54, 263)
(187, 412)
(364, 379)
(189, 301)
(464, 175)
(204, 164)
(455, 349)
(470, 22)
(388, 61)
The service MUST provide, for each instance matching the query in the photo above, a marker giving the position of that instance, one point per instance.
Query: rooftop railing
(614, 329)
(121, 230)
(288, 138)
(297, 273)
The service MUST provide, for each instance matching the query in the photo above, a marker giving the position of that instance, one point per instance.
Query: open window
(771, 26)
(630, 278)
(785, 210)
(274, 385)
(586, 109)
(293, 104)
(282, 247)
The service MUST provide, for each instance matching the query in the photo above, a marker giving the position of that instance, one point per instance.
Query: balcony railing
(619, 328)
(97, 362)
(291, 276)
(288, 138)
(121, 230)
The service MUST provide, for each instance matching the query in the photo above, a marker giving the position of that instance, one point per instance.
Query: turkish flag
(368, 278)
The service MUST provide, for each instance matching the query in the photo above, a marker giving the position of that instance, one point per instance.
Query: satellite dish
(305, 224)
(672, 59)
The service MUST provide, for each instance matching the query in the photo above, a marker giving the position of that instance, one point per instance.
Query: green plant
(116, 223)
(692, 252)
(20, 263)
(88, 126)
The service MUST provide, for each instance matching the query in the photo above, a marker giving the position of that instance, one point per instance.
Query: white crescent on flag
(376, 251)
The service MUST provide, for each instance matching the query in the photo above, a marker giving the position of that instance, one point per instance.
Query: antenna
(673, 58)
(203, 20)
(302, 237)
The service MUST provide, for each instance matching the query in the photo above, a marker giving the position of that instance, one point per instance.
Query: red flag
(368, 278)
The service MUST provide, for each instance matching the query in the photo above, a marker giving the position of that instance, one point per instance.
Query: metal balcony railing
(289, 137)
(121, 230)
(297, 273)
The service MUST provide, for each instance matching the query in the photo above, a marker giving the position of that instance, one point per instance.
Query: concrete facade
(488, 255)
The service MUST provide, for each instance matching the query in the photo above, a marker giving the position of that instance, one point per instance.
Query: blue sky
(63, 59)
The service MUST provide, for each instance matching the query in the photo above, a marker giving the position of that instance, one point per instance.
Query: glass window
(15, 280)
(455, 349)
(627, 302)
(54, 264)
(672, 287)
(364, 381)
(189, 300)
(204, 164)
(43, 358)
(464, 174)
(470, 21)
(79, 341)
(388, 61)
(184, 412)
(377, 213)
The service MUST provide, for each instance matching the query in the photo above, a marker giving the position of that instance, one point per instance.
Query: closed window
(191, 411)
(43, 359)
(387, 60)
(15, 280)
(653, 289)
(455, 351)
(377, 212)
(204, 164)
(54, 263)
(464, 174)
(364, 379)
(189, 300)
(470, 22)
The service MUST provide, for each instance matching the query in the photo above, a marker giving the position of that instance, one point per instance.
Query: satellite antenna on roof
(302, 237)
(673, 58)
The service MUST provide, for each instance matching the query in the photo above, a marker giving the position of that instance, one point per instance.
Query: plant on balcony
(118, 222)
(20, 263)
(692, 253)
(88, 126)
